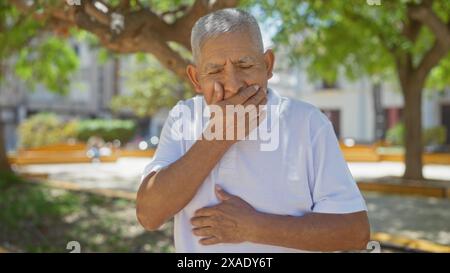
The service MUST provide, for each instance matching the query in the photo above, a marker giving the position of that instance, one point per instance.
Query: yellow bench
(370, 153)
(360, 153)
(54, 154)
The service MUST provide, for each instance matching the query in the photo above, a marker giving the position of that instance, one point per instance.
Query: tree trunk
(412, 116)
(4, 164)
(378, 110)
(116, 78)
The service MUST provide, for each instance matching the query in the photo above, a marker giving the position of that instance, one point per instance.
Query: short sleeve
(169, 147)
(334, 189)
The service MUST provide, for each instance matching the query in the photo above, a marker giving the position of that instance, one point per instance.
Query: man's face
(233, 61)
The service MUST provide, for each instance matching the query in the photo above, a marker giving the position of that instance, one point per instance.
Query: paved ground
(125, 173)
(414, 217)
(362, 170)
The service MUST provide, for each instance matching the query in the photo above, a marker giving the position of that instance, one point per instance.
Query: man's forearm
(313, 232)
(171, 189)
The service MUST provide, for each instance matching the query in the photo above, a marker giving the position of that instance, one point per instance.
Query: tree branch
(430, 60)
(21, 6)
(182, 27)
(403, 61)
(169, 58)
(378, 32)
(428, 17)
(175, 11)
(411, 29)
(143, 30)
(424, 14)
(84, 21)
(97, 14)
(123, 6)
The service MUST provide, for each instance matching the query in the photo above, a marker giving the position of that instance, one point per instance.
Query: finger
(203, 232)
(203, 221)
(257, 99)
(242, 96)
(262, 105)
(209, 241)
(253, 113)
(222, 195)
(252, 125)
(255, 120)
(218, 92)
(262, 116)
(206, 211)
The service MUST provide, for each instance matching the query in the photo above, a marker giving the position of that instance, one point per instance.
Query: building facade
(90, 92)
(350, 104)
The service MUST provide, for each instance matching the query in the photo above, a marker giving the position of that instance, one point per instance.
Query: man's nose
(233, 82)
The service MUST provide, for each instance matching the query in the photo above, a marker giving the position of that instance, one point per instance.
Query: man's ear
(269, 59)
(192, 73)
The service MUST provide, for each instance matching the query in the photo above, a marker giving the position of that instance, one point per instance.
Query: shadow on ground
(34, 218)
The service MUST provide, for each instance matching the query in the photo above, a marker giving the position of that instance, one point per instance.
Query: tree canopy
(127, 26)
(406, 38)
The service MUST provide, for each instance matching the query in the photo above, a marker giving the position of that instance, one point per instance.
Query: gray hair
(224, 21)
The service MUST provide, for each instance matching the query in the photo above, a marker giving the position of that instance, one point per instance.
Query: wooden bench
(360, 153)
(58, 153)
(435, 158)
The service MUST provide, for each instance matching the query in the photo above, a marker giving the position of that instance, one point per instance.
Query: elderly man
(228, 194)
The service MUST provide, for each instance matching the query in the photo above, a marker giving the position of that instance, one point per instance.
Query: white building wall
(354, 100)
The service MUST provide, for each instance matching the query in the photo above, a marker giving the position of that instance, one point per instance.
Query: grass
(36, 218)
(391, 150)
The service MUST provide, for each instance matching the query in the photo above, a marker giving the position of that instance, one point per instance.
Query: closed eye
(246, 66)
(213, 72)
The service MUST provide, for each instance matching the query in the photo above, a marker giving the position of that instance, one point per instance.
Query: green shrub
(430, 136)
(395, 135)
(45, 129)
(108, 130)
(435, 135)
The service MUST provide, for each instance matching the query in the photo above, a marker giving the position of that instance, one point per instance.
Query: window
(334, 116)
(392, 116)
(328, 85)
(445, 120)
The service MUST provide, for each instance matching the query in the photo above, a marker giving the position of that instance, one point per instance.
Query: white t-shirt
(305, 173)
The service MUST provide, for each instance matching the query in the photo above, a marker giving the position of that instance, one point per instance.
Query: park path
(424, 218)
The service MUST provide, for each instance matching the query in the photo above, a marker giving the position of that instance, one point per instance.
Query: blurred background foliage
(44, 129)
(430, 136)
(151, 88)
